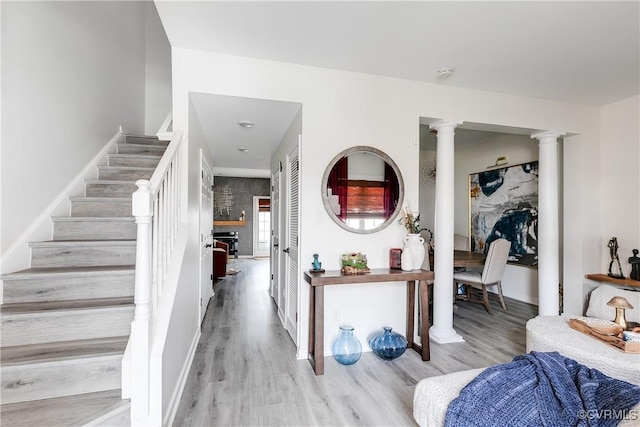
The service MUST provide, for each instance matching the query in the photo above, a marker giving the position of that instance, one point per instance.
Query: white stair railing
(157, 207)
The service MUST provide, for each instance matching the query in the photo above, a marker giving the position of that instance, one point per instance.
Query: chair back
(496, 261)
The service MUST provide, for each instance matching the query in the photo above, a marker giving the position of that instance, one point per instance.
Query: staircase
(66, 320)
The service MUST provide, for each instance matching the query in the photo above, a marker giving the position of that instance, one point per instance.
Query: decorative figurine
(634, 261)
(613, 253)
(620, 304)
(317, 265)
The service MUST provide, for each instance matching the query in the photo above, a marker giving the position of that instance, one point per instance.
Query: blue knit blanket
(543, 389)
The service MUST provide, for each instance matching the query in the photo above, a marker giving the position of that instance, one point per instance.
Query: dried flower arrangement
(411, 222)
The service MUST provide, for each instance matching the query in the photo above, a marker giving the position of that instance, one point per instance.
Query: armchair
(220, 258)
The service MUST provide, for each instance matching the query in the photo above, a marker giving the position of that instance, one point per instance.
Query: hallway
(245, 372)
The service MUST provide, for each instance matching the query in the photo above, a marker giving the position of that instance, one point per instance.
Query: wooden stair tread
(108, 182)
(134, 156)
(93, 218)
(59, 411)
(98, 199)
(70, 271)
(62, 350)
(58, 243)
(144, 140)
(81, 304)
(143, 145)
(135, 168)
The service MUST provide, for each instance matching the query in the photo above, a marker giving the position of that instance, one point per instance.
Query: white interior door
(206, 236)
(292, 260)
(276, 252)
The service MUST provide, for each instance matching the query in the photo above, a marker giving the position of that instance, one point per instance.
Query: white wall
(184, 327)
(343, 109)
(620, 162)
(601, 198)
(615, 178)
(72, 72)
(157, 71)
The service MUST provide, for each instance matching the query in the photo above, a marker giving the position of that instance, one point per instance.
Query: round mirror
(362, 190)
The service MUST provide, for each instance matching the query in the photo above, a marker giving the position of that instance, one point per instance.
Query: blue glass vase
(346, 348)
(387, 344)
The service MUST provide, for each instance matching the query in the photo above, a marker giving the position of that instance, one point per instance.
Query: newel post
(142, 209)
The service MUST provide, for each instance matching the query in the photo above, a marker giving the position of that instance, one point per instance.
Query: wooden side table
(316, 305)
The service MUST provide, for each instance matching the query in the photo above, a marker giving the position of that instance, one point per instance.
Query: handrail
(156, 206)
(164, 131)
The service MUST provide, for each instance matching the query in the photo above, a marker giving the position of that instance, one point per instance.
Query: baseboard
(176, 396)
(18, 255)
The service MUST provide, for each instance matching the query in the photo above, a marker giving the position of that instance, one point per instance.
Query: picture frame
(503, 203)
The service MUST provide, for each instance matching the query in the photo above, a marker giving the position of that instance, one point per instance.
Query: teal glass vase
(346, 347)
(388, 344)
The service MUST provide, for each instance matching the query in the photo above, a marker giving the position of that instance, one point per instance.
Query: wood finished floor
(245, 372)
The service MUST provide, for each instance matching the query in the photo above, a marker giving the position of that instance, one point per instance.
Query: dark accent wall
(242, 192)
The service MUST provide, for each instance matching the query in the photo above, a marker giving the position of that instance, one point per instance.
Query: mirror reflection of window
(363, 189)
(363, 186)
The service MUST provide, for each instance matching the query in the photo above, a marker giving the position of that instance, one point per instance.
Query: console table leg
(317, 329)
(411, 308)
(424, 317)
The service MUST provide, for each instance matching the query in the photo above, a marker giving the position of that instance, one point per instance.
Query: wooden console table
(316, 305)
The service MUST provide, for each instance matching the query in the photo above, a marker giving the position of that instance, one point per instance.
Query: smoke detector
(245, 123)
(444, 73)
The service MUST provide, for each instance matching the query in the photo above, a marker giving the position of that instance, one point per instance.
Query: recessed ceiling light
(444, 73)
(245, 123)
(243, 149)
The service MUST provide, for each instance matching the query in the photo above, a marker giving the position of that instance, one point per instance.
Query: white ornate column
(548, 229)
(442, 330)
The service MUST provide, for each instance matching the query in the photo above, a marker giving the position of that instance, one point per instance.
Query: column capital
(547, 136)
(444, 124)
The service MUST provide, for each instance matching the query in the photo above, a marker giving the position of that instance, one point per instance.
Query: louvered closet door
(292, 244)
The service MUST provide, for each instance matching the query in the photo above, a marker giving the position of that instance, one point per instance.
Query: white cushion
(433, 395)
(602, 295)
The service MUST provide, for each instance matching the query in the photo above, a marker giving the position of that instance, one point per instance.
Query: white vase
(406, 260)
(415, 244)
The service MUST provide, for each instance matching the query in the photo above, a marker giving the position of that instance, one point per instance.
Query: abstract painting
(503, 203)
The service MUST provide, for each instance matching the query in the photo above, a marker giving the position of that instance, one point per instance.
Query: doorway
(261, 226)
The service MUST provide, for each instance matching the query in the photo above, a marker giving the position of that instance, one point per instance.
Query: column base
(444, 337)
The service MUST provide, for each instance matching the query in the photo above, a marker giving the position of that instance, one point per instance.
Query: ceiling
(219, 115)
(578, 52)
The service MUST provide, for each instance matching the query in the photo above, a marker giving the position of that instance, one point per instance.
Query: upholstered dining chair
(491, 275)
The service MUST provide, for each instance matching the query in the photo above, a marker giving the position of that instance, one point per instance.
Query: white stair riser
(82, 256)
(142, 162)
(94, 230)
(65, 288)
(123, 174)
(63, 378)
(65, 325)
(140, 149)
(100, 208)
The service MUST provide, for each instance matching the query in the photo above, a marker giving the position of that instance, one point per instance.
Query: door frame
(205, 238)
(277, 283)
(292, 260)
